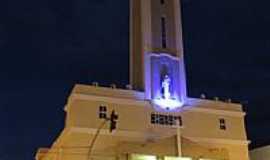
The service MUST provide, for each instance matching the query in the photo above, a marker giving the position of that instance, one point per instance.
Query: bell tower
(156, 51)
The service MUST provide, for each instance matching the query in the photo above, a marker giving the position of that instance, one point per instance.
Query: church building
(153, 118)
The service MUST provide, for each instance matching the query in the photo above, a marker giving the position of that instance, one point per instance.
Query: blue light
(167, 102)
(167, 89)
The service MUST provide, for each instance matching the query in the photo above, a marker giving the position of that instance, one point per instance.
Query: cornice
(144, 135)
(144, 103)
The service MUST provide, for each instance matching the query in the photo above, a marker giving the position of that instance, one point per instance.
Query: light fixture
(168, 104)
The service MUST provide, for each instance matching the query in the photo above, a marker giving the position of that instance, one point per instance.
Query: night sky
(47, 46)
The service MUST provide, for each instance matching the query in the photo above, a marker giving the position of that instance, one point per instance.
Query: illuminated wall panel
(142, 157)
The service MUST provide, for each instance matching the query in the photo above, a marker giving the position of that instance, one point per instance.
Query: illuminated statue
(166, 87)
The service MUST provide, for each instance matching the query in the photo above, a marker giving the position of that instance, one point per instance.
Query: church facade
(155, 118)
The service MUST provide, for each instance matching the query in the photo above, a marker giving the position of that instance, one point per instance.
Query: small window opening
(102, 112)
(222, 124)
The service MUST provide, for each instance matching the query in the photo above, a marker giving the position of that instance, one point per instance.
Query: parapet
(108, 92)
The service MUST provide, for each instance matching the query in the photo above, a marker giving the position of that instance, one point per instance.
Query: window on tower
(163, 33)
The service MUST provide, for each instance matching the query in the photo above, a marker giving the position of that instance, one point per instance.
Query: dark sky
(47, 46)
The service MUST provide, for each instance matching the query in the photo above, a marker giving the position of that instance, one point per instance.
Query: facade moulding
(215, 111)
(123, 101)
(134, 102)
